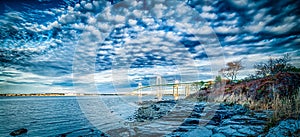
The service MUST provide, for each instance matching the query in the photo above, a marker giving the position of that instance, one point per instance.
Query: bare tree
(232, 69)
(273, 66)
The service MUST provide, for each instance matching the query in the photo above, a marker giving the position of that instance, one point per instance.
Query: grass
(284, 108)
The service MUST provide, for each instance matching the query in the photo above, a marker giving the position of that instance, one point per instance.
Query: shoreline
(73, 94)
(227, 120)
(52, 94)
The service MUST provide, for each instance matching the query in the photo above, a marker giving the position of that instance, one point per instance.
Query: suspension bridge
(159, 89)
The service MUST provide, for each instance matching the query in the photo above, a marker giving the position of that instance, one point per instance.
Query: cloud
(207, 8)
(158, 10)
(88, 6)
(207, 15)
(227, 30)
(32, 82)
(169, 38)
(230, 38)
(239, 3)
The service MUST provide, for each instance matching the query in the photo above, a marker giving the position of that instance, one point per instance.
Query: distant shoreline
(69, 94)
(57, 94)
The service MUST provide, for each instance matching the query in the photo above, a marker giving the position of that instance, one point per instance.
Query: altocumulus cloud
(40, 43)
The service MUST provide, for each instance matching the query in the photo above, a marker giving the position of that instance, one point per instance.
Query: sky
(110, 46)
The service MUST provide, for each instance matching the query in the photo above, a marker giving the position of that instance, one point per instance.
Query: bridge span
(177, 90)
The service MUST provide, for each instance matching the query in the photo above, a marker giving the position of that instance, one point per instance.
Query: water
(42, 116)
(73, 116)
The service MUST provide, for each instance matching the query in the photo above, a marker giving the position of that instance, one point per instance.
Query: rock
(226, 130)
(167, 101)
(175, 134)
(247, 131)
(237, 134)
(198, 108)
(218, 135)
(188, 127)
(257, 128)
(256, 122)
(261, 116)
(227, 120)
(180, 129)
(221, 111)
(210, 127)
(19, 132)
(237, 126)
(191, 121)
(154, 107)
(285, 128)
(212, 122)
(223, 114)
(199, 132)
(241, 118)
(230, 122)
(240, 109)
(152, 110)
(197, 114)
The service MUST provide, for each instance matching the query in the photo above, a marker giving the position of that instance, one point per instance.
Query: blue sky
(111, 46)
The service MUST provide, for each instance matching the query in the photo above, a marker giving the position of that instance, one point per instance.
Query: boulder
(226, 130)
(191, 121)
(241, 118)
(288, 127)
(247, 130)
(231, 122)
(18, 132)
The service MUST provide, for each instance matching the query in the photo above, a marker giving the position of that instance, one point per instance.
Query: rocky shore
(151, 110)
(227, 120)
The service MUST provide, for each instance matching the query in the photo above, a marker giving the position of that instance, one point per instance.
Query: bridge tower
(159, 87)
(139, 89)
(175, 89)
(187, 90)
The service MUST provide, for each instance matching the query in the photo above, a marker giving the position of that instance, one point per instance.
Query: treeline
(263, 69)
(34, 94)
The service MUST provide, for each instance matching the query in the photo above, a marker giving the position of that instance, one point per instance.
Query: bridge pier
(175, 90)
(187, 90)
